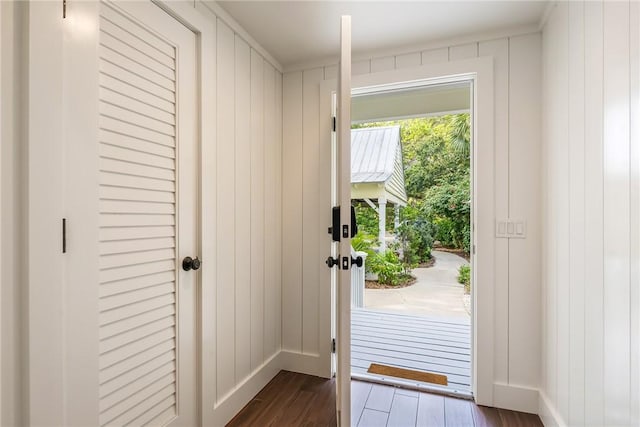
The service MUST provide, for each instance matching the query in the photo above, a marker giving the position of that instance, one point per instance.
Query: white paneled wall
(591, 239)
(12, 208)
(249, 213)
(517, 75)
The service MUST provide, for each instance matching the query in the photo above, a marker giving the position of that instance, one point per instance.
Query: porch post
(396, 218)
(382, 223)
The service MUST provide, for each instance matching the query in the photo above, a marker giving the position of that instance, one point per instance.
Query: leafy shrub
(363, 242)
(366, 218)
(464, 277)
(387, 266)
(448, 206)
(415, 233)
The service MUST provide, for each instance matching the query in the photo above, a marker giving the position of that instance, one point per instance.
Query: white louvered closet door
(148, 221)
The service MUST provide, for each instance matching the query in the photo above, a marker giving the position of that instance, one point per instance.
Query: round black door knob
(189, 263)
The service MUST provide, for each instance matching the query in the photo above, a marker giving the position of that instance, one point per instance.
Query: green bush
(464, 277)
(388, 267)
(449, 209)
(366, 218)
(415, 233)
(363, 242)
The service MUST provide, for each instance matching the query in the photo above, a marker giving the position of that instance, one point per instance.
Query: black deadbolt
(189, 263)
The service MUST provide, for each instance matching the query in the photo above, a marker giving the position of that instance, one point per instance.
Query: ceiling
(300, 31)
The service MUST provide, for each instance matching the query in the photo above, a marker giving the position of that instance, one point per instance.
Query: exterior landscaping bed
(404, 282)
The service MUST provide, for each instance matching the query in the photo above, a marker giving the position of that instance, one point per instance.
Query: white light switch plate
(511, 228)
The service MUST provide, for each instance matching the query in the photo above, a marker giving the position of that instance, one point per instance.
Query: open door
(343, 187)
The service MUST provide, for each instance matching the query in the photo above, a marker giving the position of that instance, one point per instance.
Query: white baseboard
(515, 398)
(242, 394)
(310, 364)
(548, 413)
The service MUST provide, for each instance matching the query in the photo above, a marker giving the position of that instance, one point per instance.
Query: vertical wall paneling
(463, 51)
(278, 224)
(242, 190)
(591, 90)
(561, 182)
(225, 239)
(291, 215)
(331, 72)
(616, 212)
(12, 81)
(257, 210)
(549, 263)
(576, 123)
(634, 138)
(435, 56)
(311, 259)
(359, 67)
(499, 50)
(524, 202)
(272, 255)
(409, 60)
(383, 64)
(594, 345)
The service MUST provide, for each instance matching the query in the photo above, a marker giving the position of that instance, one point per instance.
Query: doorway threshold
(410, 385)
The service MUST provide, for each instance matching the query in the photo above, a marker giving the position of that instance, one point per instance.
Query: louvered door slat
(134, 28)
(112, 329)
(156, 416)
(134, 296)
(116, 98)
(137, 306)
(133, 131)
(121, 340)
(127, 114)
(117, 405)
(128, 89)
(129, 272)
(166, 394)
(122, 73)
(114, 233)
(119, 53)
(113, 372)
(108, 151)
(112, 45)
(135, 374)
(124, 166)
(136, 207)
(139, 43)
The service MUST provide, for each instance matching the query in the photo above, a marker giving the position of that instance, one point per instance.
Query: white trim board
(515, 398)
(229, 406)
(548, 413)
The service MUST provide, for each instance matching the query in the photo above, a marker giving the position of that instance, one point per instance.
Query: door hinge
(64, 9)
(333, 345)
(334, 123)
(64, 235)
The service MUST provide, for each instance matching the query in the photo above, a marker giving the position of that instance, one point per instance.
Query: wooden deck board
(412, 342)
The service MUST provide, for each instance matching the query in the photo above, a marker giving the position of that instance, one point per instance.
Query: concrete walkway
(437, 292)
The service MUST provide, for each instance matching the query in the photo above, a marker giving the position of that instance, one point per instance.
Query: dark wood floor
(292, 399)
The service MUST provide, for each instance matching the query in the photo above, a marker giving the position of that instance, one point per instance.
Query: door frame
(480, 72)
(59, 315)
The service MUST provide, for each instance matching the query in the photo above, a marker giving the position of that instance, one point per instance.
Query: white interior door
(343, 292)
(144, 159)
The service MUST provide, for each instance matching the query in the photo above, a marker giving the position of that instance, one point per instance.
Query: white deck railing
(357, 280)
